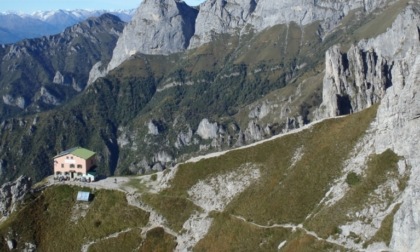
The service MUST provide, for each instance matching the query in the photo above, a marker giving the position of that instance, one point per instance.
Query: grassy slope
(380, 168)
(283, 194)
(45, 220)
(156, 241)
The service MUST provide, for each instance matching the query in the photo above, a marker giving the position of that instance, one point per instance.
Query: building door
(72, 175)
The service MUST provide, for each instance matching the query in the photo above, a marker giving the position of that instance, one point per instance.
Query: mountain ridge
(41, 73)
(21, 26)
(156, 110)
(226, 17)
(345, 183)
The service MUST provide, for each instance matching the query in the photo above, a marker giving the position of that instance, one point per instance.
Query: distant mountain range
(17, 26)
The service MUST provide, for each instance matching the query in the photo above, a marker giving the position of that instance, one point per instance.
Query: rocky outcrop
(96, 72)
(253, 132)
(269, 12)
(158, 27)
(48, 98)
(58, 78)
(19, 102)
(358, 78)
(170, 26)
(207, 130)
(385, 70)
(152, 128)
(12, 193)
(184, 138)
(220, 17)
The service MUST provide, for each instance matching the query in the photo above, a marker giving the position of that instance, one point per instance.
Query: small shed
(83, 196)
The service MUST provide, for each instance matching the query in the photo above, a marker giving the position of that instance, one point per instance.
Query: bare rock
(220, 17)
(19, 102)
(58, 78)
(184, 138)
(207, 130)
(12, 193)
(253, 132)
(48, 98)
(158, 27)
(162, 157)
(359, 78)
(152, 128)
(158, 167)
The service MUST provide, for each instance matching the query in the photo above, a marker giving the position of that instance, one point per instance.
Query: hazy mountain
(37, 74)
(16, 26)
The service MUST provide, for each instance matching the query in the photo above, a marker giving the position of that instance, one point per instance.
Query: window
(79, 174)
(58, 173)
(62, 165)
(71, 165)
(79, 166)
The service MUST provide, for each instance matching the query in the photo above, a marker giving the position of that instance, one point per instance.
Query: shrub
(153, 177)
(352, 179)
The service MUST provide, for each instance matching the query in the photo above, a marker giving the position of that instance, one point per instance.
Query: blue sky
(29, 6)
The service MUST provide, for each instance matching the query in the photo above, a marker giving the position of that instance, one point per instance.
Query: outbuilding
(83, 196)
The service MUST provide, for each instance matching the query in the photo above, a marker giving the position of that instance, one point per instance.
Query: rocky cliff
(358, 78)
(158, 27)
(221, 17)
(328, 12)
(12, 193)
(169, 26)
(384, 70)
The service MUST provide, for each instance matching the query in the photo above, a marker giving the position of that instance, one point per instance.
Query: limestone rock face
(270, 12)
(184, 138)
(48, 98)
(207, 130)
(19, 102)
(58, 78)
(398, 126)
(385, 70)
(354, 80)
(158, 27)
(253, 132)
(96, 72)
(152, 128)
(12, 193)
(170, 26)
(358, 78)
(219, 17)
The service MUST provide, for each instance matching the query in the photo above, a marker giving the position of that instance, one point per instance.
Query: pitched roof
(78, 152)
(83, 153)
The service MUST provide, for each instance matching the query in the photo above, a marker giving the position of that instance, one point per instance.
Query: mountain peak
(158, 27)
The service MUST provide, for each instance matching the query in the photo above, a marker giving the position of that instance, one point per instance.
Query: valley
(231, 126)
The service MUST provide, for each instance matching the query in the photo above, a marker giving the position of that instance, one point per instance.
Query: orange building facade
(75, 163)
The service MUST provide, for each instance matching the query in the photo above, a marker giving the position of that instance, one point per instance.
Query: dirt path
(86, 246)
(294, 228)
(132, 196)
